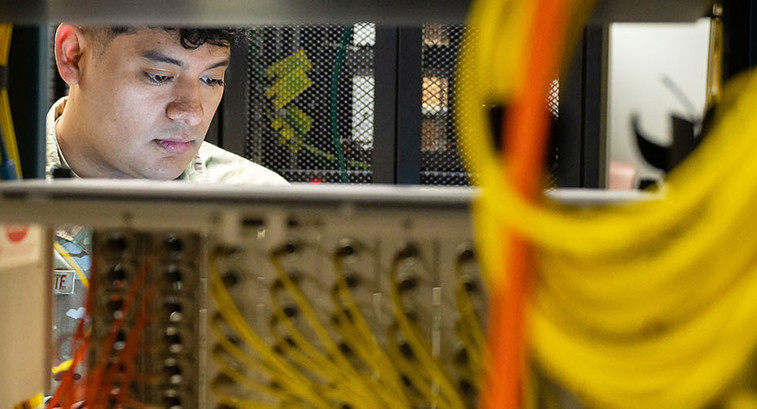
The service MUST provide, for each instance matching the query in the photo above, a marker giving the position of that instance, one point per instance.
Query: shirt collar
(53, 155)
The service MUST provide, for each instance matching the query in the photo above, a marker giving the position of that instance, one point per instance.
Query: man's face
(147, 103)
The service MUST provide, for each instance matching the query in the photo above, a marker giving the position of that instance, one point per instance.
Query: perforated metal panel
(311, 92)
(553, 99)
(440, 146)
(441, 163)
(312, 102)
(553, 106)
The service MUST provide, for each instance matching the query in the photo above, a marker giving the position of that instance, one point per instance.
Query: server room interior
(376, 110)
(391, 85)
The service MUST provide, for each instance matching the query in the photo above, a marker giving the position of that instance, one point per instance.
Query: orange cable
(64, 392)
(65, 389)
(96, 376)
(129, 353)
(525, 133)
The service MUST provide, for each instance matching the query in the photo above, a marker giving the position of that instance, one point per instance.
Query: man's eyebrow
(157, 56)
(223, 63)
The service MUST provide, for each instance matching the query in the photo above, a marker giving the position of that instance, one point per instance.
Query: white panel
(25, 294)
(641, 56)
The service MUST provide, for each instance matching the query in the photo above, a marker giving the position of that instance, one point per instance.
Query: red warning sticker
(20, 244)
(16, 232)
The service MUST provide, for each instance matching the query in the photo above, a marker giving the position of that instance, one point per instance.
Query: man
(139, 106)
(140, 103)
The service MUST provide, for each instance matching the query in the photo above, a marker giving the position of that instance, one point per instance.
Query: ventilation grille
(311, 101)
(440, 163)
(311, 93)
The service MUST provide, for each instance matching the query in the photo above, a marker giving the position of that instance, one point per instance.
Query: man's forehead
(162, 46)
(145, 37)
(161, 38)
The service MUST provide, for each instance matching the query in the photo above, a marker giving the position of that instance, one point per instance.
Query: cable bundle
(109, 381)
(631, 306)
(322, 350)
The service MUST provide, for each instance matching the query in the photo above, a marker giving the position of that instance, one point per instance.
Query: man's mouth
(174, 146)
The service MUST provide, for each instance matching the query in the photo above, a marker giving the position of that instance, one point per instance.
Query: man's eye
(213, 82)
(157, 78)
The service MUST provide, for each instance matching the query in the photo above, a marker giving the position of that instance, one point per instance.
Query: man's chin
(163, 174)
(162, 166)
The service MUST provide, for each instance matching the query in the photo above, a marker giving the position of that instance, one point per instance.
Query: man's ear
(69, 44)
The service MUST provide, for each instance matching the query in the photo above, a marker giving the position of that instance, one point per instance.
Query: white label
(63, 281)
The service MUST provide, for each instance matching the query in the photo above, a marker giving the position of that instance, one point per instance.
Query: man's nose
(186, 105)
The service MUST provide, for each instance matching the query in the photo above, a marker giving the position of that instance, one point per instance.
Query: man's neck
(67, 128)
(60, 132)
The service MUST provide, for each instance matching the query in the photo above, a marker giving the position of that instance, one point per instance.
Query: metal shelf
(608, 11)
(249, 12)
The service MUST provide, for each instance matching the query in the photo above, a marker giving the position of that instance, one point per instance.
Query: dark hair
(190, 38)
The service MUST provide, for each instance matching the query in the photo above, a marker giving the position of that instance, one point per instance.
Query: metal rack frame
(231, 12)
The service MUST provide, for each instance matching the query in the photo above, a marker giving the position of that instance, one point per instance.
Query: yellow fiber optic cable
(653, 300)
(357, 329)
(238, 354)
(307, 311)
(285, 391)
(63, 366)
(343, 367)
(233, 317)
(245, 382)
(344, 381)
(472, 334)
(241, 403)
(66, 365)
(235, 321)
(71, 262)
(323, 374)
(287, 376)
(32, 403)
(415, 373)
(6, 120)
(383, 376)
(421, 349)
(347, 381)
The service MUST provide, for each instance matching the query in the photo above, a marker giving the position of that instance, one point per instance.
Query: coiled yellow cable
(644, 305)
